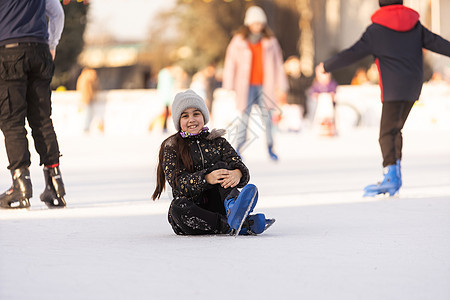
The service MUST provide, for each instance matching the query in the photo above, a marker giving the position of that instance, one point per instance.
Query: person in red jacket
(395, 38)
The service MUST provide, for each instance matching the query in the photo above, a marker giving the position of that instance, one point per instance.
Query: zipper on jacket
(201, 153)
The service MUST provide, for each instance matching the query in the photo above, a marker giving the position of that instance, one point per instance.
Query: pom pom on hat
(185, 100)
(255, 14)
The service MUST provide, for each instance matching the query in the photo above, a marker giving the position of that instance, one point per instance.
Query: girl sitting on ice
(204, 172)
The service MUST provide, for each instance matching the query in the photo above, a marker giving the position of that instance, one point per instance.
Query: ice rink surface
(114, 242)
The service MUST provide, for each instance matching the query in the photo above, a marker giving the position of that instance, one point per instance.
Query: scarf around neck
(254, 38)
(185, 134)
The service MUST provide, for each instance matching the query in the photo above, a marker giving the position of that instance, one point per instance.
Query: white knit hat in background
(185, 100)
(255, 14)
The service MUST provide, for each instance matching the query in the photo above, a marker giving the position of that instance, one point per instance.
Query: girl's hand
(232, 179)
(226, 178)
(216, 176)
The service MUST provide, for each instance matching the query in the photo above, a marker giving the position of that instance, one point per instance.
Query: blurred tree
(203, 29)
(70, 45)
(284, 21)
(162, 43)
(306, 42)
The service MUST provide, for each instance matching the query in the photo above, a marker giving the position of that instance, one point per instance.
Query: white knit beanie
(255, 14)
(185, 100)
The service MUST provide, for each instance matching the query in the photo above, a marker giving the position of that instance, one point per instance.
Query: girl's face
(256, 28)
(192, 121)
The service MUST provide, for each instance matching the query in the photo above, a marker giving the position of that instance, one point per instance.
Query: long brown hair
(181, 148)
(245, 32)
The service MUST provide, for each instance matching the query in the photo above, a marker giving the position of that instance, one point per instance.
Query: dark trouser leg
(393, 118)
(13, 106)
(188, 218)
(40, 108)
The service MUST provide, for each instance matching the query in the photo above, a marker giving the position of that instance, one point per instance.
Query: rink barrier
(136, 112)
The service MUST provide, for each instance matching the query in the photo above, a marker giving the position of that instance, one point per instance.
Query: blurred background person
(212, 84)
(437, 78)
(298, 84)
(167, 86)
(87, 87)
(199, 84)
(322, 103)
(360, 77)
(254, 70)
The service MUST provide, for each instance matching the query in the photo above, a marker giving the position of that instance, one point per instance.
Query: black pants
(26, 71)
(393, 118)
(205, 216)
(189, 218)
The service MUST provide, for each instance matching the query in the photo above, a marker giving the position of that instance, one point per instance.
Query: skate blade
(23, 203)
(55, 203)
(381, 194)
(269, 222)
(374, 190)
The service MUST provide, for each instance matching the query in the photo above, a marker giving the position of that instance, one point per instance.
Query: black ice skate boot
(54, 188)
(20, 192)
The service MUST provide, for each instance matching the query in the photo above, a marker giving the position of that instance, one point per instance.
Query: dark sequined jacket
(207, 149)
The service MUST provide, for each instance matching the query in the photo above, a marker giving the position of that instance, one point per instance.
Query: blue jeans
(255, 97)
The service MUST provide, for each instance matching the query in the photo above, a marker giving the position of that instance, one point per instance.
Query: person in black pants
(26, 70)
(395, 38)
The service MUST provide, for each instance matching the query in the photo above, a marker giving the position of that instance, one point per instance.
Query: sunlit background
(128, 42)
(148, 35)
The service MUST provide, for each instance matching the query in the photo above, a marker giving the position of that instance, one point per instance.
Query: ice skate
(53, 195)
(272, 154)
(239, 208)
(256, 224)
(391, 183)
(18, 196)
